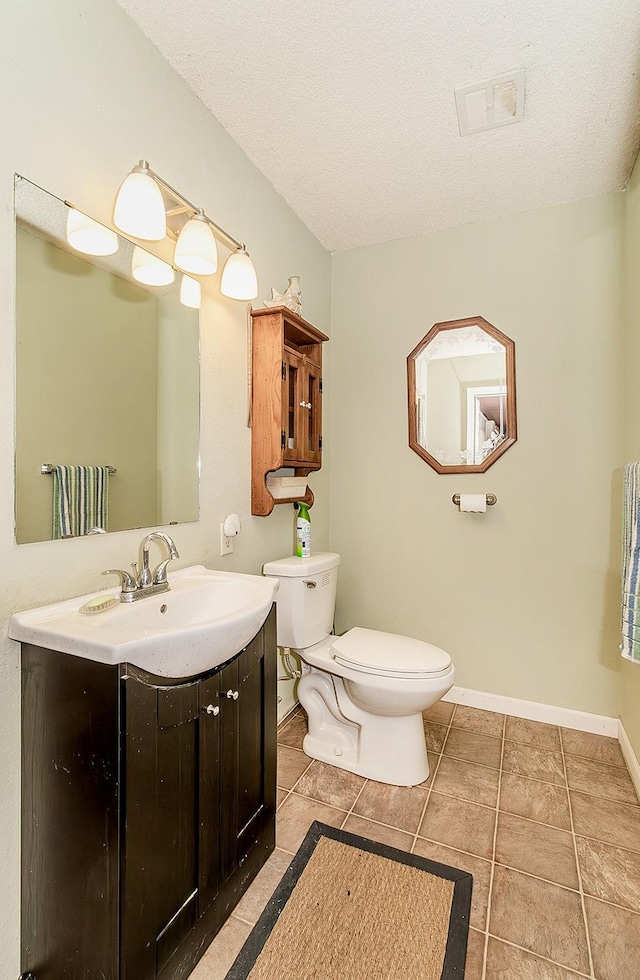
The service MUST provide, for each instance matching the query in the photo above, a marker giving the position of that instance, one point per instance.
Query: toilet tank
(306, 598)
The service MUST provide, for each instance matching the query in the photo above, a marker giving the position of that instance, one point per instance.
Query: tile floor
(545, 818)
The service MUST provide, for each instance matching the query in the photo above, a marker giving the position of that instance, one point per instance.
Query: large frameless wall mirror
(107, 374)
(462, 396)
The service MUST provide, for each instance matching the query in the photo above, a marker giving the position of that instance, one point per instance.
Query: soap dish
(98, 604)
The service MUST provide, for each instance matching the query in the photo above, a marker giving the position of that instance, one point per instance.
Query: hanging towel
(630, 645)
(80, 499)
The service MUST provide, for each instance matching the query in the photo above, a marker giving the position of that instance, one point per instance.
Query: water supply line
(294, 673)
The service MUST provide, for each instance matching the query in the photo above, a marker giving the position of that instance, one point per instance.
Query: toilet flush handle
(310, 584)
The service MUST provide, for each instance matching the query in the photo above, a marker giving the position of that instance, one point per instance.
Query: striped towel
(630, 645)
(80, 499)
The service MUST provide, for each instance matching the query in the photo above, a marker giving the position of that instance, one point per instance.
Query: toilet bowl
(364, 692)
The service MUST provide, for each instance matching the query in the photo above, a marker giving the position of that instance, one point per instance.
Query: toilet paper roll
(473, 503)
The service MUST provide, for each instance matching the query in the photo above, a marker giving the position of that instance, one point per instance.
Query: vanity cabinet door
(248, 748)
(160, 875)
(209, 803)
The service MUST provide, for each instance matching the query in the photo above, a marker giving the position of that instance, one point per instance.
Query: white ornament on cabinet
(291, 298)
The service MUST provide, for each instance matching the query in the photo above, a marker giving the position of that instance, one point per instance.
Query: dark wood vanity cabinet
(148, 809)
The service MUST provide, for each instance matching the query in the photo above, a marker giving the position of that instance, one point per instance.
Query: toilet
(364, 692)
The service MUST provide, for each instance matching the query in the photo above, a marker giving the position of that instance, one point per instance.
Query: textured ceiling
(347, 106)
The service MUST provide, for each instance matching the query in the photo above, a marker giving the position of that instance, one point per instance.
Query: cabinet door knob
(233, 694)
(212, 709)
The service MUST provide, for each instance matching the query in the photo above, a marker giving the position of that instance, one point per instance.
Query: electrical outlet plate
(226, 544)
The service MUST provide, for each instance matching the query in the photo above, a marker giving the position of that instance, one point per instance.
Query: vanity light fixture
(88, 236)
(239, 280)
(190, 292)
(194, 231)
(139, 209)
(149, 269)
(196, 250)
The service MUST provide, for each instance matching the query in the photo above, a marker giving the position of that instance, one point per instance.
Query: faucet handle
(160, 573)
(128, 583)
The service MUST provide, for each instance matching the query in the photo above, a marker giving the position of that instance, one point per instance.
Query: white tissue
(473, 503)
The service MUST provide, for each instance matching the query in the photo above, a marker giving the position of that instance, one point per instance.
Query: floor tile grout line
(599, 796)
(493, 855)
(359, 794)
(578, 869)
(305, 770)
(433, 779)
(608, 843)
(540, 956)
(287, 794)
(464, 799)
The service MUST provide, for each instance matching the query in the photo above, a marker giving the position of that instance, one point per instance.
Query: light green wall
(631, 672)
(85, 97)
(526, 597)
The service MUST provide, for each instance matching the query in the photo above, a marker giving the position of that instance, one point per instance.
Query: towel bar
(491, 499)
(49, 468)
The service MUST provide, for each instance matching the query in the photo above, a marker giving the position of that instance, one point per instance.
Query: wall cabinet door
(302, 409)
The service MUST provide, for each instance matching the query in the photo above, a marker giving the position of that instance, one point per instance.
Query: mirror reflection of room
(459, 395)
(107, 386)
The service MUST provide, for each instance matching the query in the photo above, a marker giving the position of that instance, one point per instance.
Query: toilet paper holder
(491, 499)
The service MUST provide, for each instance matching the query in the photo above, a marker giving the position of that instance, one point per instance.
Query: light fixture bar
(222, 235)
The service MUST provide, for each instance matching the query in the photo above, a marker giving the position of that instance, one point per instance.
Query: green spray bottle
(303, 531)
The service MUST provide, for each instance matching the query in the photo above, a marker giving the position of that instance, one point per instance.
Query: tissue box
(286, 487)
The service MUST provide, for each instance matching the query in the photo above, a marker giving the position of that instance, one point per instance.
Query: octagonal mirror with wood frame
(462, 396)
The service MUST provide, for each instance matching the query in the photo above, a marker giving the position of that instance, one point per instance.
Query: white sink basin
(205, 618)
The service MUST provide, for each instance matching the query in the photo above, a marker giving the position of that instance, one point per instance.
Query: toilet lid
(388, 654)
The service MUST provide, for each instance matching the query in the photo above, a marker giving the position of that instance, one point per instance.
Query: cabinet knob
(212, 709)
(233, 695)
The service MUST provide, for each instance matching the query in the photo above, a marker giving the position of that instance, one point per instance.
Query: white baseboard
(582, 721)
(633, 764)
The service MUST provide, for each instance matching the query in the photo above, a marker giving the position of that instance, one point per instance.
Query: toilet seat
(388, 654)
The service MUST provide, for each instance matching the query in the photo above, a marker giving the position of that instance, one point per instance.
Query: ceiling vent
(497, 102)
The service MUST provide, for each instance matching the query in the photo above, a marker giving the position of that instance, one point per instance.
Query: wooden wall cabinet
(148, 809)
(286, 406)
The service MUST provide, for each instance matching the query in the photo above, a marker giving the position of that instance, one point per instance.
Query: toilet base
(388, 749)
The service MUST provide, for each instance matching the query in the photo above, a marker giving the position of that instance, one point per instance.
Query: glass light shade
(149, 269)
(239, 280)
(196, 250)
(190, 292)
(139, 208)
(88, 236)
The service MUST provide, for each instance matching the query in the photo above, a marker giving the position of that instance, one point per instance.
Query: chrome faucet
(140, 584)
